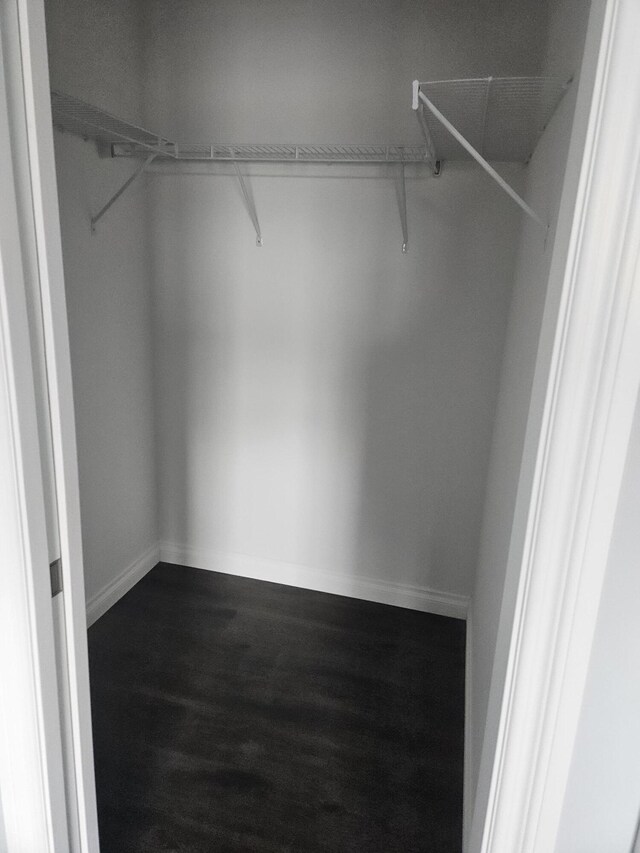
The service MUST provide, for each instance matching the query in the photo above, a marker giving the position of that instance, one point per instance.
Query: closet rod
(418, 96)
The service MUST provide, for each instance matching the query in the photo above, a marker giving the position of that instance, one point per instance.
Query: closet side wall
(325, 403)
(495, 587)
(95, 53)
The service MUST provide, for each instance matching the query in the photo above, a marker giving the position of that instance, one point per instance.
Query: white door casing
(37, 227)
(31, 763)
(585, 390)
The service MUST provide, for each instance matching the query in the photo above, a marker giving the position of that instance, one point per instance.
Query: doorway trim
(32, 802)
(25, 63)
(579, 424)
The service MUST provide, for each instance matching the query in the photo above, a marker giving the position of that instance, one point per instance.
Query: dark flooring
(235, 715)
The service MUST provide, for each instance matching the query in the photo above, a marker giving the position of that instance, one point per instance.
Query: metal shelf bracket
(250, 205)
(114, 198)
(428, 141)
(402, 204)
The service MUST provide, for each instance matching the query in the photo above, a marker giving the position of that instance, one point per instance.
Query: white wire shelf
(123, 139)
(71, 115)
(502, 117)
(119, 138)
(288, 153)
(489, 118)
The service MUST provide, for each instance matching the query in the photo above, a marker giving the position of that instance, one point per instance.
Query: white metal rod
(114, 198)
(480, 159)
(251, 208)
(403, 210)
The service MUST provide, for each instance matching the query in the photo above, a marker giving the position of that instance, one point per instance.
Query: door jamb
(25, 22)
(32, 801)
(578, 429)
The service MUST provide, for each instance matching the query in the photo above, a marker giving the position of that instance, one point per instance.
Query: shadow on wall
(326, 402)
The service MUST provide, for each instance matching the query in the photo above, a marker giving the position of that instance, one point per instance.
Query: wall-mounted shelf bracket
(114, 198)
(436, 165)
(402, 204)
(419, 102)
(250, 205)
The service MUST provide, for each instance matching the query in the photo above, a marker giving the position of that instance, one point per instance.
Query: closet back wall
(325, 403)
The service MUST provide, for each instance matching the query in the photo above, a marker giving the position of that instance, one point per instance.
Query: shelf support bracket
(430, 152)
(249, 204)
(114, 198)
(402, 204)
(420, 100)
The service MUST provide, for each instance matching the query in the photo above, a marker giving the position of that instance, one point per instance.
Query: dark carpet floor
(234, 715)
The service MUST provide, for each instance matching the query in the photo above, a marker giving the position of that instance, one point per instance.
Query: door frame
(32, 803)
(581, 411)
(25, 67)
(578, 432)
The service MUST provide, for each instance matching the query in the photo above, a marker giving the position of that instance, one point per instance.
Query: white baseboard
(290, 574)
(467, 790)
(98, 604)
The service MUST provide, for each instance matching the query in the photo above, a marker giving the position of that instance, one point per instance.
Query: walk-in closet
(306, 251)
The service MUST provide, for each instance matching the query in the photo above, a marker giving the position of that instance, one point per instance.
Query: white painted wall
(325, 402)
(336, 71)
(601, 810)
(494, 590)
(95, 53)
